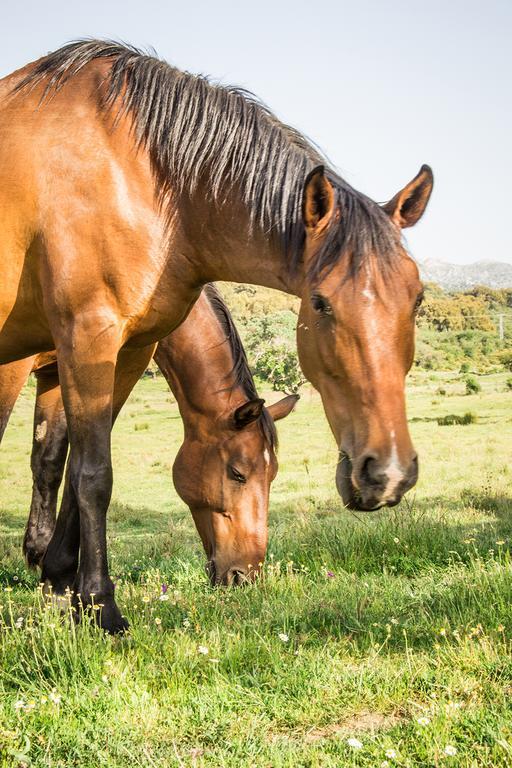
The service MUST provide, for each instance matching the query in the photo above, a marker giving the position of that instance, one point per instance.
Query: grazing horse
(223, 469)
(125, 186)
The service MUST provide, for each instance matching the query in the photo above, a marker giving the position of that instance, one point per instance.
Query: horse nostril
(371, 472)
(235, 577)
(238, 577)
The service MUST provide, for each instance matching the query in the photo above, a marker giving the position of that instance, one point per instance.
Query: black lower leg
(49, 450)
(60, 562)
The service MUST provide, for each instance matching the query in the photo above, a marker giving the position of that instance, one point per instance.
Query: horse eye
(419, 301)
(320, 304)
(236, 475)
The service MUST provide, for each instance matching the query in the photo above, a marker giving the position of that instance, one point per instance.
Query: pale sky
(382, 87)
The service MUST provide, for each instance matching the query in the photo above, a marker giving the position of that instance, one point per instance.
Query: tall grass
(390, 631)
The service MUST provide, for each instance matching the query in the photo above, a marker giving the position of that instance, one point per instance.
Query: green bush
(278, 364)
(506, 359)
(455, 312)
(472, 386)
(453, 418)
(508, 384)
(270, 342)
(461, 351)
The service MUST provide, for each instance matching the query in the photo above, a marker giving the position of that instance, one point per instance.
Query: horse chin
(351, 495)
(211, 572)
(346, 489)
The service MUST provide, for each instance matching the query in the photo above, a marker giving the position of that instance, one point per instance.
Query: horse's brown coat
(104, 250)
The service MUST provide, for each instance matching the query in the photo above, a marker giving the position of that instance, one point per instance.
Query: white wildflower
(55, 697)
(354, 743)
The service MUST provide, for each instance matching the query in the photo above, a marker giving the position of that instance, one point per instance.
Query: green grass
(390, 617)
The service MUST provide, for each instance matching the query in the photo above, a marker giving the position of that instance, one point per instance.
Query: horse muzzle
(372, 484)
(234, 576)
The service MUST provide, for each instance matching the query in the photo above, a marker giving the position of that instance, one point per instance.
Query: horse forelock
(221, 136)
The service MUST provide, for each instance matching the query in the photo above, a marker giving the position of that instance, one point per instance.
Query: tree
(270, 342)
(278, 364)
(458, 312)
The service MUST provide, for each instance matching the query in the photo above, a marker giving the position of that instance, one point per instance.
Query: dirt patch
(364, 722)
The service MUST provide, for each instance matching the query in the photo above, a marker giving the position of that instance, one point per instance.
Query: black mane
(196, 131)
(241, 371)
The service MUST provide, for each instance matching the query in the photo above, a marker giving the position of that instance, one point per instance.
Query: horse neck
(197, 363)
(226, 247)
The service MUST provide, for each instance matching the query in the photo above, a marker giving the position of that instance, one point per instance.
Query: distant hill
(459, 277)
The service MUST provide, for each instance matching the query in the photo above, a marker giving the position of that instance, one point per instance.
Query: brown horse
(223, 470)
(126, 185)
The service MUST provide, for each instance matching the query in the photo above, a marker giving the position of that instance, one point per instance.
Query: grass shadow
(407, 540)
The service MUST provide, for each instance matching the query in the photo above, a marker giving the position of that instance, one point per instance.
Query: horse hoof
(33, 554)
(33, 559)
(118, 627)
(111, 621)
(105, 612)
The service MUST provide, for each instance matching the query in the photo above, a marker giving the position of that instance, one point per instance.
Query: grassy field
(382, 640)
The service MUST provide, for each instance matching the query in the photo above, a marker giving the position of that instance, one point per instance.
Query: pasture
(376, 640)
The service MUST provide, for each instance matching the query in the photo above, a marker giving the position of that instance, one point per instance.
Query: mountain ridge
(460, 277)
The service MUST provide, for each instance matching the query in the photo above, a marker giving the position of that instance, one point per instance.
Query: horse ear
(248, 413)
(408, 205)
(318, 200)
(283, 407)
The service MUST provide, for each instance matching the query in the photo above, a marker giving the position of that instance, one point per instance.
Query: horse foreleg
(61, 560)
(49, 450)
(86, 354)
